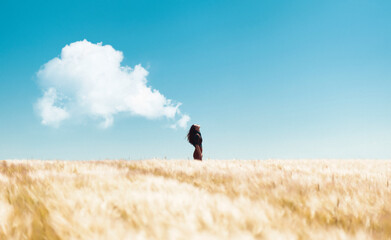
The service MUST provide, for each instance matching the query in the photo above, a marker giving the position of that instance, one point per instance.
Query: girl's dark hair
(191, 134)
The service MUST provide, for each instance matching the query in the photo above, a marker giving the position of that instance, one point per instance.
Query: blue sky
(264, 79)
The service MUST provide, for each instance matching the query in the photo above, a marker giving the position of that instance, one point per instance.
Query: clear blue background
(264, 79)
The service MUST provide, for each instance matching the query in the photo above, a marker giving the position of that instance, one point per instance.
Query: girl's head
(196, 127)
(193, 130)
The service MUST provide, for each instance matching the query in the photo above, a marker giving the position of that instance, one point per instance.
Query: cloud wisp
(88, 79)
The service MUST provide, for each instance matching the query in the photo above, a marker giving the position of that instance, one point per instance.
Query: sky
(83, 80)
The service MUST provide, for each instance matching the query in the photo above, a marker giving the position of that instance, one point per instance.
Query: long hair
(192, 133)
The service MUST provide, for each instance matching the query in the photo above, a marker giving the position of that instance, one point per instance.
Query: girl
(194, 137)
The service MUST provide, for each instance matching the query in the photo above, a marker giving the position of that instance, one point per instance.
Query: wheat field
(186, 199)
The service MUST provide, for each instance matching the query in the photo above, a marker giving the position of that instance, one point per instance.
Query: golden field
(186, 199)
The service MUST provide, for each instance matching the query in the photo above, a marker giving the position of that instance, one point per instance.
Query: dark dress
(197, 140)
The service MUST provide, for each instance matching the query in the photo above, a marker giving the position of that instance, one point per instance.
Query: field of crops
(183, 199)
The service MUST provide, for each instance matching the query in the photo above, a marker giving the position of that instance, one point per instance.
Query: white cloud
(94, 83)
(51, 115)
(182, 122)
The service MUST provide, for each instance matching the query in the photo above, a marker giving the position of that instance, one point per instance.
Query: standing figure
(194, 137)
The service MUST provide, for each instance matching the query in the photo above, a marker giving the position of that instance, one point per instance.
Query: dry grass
(160, 199)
